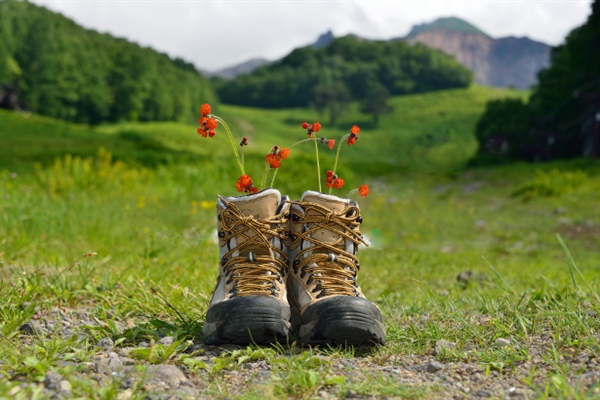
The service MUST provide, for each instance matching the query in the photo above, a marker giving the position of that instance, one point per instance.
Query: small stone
(351, 394)
(434, 366)
(442, 345)
(106, 343)
(52, 381)
(65, 386)
(483, 393)
(114, 362)
(28, 328)
(168, 376)
(125, 394)
(166, 341)
(501, 342)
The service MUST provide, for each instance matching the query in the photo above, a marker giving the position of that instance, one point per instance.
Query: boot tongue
(263, 205)
(334, 204)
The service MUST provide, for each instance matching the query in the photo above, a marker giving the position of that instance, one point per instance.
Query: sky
(213, 34)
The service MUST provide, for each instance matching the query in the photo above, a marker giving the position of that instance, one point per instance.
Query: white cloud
(215, 34)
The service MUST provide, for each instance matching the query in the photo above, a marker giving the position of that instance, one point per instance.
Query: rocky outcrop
(501, 62)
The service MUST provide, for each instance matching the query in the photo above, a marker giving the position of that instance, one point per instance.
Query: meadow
(118, 222)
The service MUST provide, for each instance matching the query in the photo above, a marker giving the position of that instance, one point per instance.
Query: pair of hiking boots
(288, 270)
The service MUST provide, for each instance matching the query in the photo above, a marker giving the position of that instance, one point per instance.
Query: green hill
(431, 132)
(52, 66)
(446, 24)
(347, 68)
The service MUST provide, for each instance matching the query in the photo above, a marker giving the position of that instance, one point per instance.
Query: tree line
(562, 117)
(347, 69)
(52, 66)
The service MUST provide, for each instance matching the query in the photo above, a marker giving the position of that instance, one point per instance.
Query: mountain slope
(452, 24)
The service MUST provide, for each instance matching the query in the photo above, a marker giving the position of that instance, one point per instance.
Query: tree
(331, 97)
(375, 103)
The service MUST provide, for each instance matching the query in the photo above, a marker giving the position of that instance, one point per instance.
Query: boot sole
(342, 320)
(246, 320)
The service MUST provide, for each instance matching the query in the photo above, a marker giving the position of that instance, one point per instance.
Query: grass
(132, 244)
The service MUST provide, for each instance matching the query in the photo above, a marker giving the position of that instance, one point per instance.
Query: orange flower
(363, 190)
(202, 132)
(329, 142)
(284, 153)
(315, 127)
(273, 160)
(205, 109)
(338, 183)
(353, 137)
(333, 181)
(211, 123)
(244, 184)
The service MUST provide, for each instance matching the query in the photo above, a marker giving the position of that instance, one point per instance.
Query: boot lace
(251, 273)
(329, 264)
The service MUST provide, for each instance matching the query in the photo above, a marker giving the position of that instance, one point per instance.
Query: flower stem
(273, 179)
(301, 141)
(337, 155)
(233, 146)
(263, 181)
(318, 165)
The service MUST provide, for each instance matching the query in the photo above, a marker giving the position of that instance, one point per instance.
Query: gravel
(167, 381)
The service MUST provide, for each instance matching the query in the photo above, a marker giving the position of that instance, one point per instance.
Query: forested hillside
(348, 68)
(52, 66)
(562, 119)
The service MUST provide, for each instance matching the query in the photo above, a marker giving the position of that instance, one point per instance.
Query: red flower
(273, 160)
(244, 142)
(352, 139)
(205, 109)
(284, 153)
(202, 132)
(316, 127)
(363, 190)
(331, 143)
(244, 184)
(305, 125)
(355, 129)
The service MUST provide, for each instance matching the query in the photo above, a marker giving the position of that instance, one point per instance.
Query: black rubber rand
(342, 320)
(246, 320)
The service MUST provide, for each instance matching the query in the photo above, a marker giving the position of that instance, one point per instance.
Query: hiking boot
(327, 303)
(249, 304)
